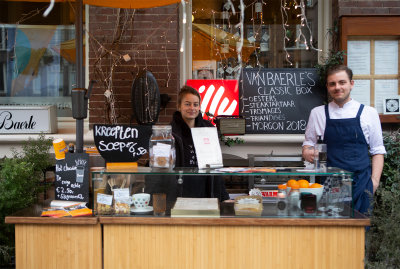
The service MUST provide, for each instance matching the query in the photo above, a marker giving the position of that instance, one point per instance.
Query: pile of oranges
(302, 183)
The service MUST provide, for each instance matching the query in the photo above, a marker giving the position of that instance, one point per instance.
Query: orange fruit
(282, 187)
(303, 183)
(316, 185)
(295, 185)
(290, 182)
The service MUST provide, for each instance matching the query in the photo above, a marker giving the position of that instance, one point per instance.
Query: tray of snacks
(248, 205)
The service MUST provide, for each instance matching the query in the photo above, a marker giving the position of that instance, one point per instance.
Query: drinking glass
(323, 205)
(336, 199)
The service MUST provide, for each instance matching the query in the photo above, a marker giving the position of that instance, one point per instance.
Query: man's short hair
(338, 68)
(187, 90)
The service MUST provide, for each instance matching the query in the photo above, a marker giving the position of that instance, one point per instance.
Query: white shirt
(369, 119)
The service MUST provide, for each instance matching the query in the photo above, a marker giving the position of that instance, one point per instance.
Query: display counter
(49, 243)
(228, 241)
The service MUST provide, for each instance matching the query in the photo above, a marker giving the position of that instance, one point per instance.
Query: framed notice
(391, 105)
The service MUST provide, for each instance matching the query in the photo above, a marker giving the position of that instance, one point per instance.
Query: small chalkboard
(122, 143)
(72, 178)
(279, 101)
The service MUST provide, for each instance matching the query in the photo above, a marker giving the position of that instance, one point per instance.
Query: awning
(115, 3)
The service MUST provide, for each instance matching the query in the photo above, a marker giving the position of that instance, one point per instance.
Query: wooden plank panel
(58, 246)
(360, 220)
(192, 247)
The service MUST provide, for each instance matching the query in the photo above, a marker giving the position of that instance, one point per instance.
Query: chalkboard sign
(72, 178)
(279, 101)
(122, 143)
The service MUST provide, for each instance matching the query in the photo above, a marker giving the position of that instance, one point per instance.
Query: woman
(189, 116)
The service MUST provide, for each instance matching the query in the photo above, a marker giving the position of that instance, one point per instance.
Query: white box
(28, 119)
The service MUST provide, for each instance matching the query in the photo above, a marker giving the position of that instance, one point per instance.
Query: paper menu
(362, 91)
(208, 150)
(386, 57)
(358, 56)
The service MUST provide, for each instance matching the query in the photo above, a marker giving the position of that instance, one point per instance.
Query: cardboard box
(231, 125)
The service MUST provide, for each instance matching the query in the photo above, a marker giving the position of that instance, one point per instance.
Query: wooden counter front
(186, 243)
(62, 243)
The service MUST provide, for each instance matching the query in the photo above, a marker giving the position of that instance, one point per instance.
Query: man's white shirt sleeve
(369, 119)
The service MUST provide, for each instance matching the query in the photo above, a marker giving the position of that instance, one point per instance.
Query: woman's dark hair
(187, 90)
(338, 68)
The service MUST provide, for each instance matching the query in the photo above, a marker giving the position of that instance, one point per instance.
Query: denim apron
(348, 149)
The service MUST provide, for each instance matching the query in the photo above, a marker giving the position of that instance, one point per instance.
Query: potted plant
(20, 178)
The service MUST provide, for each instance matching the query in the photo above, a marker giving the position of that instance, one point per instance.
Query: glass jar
(162, 147)
(281, 201)
(294, 198)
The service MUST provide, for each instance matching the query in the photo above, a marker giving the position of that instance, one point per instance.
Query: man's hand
(377, 166)
(308, 154)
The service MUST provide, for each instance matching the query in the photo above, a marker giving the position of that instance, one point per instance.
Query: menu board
(72, 178)
(122, 143)
(279, 101)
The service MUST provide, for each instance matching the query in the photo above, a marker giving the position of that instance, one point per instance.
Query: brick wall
(369, 7)
(151, 39)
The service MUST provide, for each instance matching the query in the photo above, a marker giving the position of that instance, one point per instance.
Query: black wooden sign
(279, 101)
(122, 143)
(72, 178)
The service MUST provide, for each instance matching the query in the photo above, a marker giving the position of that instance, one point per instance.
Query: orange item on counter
(316, 185)
(291, 182)
(55, 213)
(303, 183)
(121, 165)
(295, 185)
(282, 187)
(82, 212)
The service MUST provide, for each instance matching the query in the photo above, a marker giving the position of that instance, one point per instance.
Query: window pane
(267, 41)
(37, 60)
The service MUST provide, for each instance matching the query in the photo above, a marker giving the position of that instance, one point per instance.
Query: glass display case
(115, 193)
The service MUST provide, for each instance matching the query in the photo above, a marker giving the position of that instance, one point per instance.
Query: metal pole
(80, 78)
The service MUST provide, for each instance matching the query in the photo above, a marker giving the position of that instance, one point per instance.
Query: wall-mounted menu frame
(383, 56)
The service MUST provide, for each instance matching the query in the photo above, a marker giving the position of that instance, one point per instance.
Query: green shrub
(383, 238)
(334, 58)
(20, 178)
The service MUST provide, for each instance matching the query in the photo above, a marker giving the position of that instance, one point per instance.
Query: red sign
(218, 97)
(269, 193)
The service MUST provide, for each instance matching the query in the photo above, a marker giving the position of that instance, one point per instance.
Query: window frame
(372, 28)
(185, 36)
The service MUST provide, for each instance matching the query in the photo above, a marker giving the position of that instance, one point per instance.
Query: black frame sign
(72, 178)
(122, 143)
(279, 101)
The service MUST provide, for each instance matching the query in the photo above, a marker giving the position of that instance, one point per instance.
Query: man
(351, 131)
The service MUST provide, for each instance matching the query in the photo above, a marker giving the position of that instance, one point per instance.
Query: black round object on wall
(145, 98)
